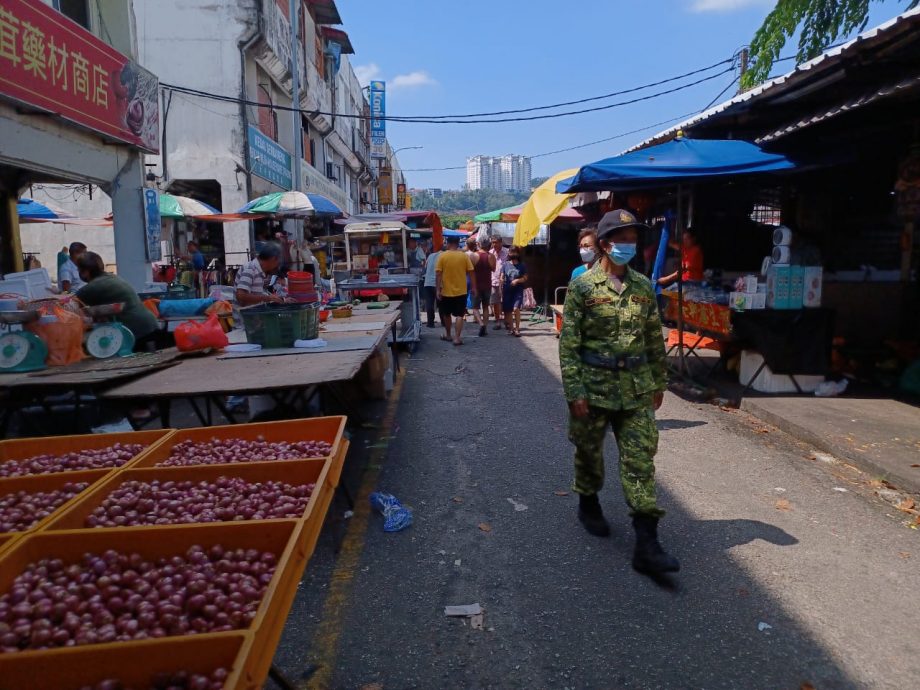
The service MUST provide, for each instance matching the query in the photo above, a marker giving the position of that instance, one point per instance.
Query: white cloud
(725, 5)
(412, 80)
(365, 73)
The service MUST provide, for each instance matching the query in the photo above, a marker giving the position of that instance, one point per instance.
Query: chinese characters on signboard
(384, 187)
(51, 63)
(400, 196)
(378, 124)
(269, 160)
(152, 225)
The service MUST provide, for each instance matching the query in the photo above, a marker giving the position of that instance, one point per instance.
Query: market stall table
(82, 380)
(292, 377)
(791, 341)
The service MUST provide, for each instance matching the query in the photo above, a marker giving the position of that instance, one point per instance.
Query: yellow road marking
(324, 648)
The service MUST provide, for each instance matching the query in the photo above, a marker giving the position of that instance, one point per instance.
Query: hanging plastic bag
(200, 335)
(62, 331)
(530, 302)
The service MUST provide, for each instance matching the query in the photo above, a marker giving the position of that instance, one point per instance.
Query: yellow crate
(136, 664)
(50, 482)
(328, 429)
(295, 472)
(21, 448)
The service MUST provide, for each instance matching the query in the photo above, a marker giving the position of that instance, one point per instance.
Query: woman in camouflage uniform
(614, 374)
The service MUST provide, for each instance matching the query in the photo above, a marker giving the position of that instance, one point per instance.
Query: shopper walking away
(613, 372)
(483, 267)
(587, 251)
(514, 276)
(471, 252)
(501, 256)
(431, 286)
(452, 270)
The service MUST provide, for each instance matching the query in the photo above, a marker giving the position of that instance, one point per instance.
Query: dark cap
(617, 220)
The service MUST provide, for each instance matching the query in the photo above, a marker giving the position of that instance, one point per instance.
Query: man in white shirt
(501, 256)
(69, 275)
(431, 286)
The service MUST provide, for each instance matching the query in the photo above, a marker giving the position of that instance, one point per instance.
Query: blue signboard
(378, 94)
(152, 226)
(268, 159)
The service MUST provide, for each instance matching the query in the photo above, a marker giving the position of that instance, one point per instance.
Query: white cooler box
(768, 382)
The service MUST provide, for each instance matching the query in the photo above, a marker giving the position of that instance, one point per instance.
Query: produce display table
(245, 648)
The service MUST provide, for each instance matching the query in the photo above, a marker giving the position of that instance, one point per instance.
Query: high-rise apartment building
(503, 173)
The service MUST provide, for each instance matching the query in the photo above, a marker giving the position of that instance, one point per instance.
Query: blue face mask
(621, 254)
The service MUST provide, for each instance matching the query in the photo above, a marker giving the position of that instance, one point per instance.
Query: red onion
(229, 451)
(208, 590)
(168, 502)
(180, 680)
(99, 458)
(21, 510)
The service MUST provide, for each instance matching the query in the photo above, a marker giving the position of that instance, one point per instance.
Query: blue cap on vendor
(252, 279)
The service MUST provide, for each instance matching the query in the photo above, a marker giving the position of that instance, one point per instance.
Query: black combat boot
(591, 515)
(649, 558)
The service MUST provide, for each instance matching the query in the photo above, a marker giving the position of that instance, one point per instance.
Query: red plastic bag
(200, 335)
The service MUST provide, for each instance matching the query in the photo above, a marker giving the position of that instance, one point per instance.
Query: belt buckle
(621, 363)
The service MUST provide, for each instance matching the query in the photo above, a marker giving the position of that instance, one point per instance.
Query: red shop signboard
(53, 64)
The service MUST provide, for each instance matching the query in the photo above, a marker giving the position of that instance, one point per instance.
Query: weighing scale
(20, 350)
(108, 338)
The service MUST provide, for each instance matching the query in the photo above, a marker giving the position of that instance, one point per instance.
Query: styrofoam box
(768, 382)
(38, 279)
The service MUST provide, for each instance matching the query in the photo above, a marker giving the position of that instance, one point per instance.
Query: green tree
(471, 200)
(822, 23)
(537, 181)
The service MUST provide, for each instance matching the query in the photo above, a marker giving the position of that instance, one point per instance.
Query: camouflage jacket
(598, 320)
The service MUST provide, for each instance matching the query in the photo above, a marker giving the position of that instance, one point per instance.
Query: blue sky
(445, 57)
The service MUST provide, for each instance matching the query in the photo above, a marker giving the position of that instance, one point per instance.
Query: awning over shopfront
(182, 207)
(676, 161)
(324, 11)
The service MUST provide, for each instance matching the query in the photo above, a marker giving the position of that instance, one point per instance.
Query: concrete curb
(805, 435)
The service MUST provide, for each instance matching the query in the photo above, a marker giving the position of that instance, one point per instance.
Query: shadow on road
(668, 424)
(562, 608)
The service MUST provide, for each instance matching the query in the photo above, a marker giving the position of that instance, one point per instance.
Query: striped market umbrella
(179, 207)
(291, 205)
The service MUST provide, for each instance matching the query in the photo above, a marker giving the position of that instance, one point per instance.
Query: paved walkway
(793, 572)
(878, 435)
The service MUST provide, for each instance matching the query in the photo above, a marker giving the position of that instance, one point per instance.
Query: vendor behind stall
(196, 258)
(68, 274)
(691, 261)
(105, 288)
(253, 276)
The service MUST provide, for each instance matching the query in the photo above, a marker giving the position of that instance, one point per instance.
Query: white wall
(195, 43)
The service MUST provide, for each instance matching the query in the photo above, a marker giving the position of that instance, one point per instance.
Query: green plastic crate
(279, 325)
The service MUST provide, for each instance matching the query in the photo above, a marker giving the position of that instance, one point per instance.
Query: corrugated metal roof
(781, 83)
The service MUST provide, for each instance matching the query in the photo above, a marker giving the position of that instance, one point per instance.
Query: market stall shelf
(345, 344)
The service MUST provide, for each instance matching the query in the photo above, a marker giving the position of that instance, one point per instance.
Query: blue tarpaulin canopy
(679, 160)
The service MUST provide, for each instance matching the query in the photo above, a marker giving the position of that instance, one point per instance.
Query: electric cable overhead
(482, 118)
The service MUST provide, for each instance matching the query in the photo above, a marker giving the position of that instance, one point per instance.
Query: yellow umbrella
(541, 208)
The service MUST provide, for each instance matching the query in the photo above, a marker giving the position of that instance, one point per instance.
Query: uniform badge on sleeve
(639, 299)
(594, 301)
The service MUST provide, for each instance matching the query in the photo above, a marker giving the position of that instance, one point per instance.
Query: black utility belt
(617, 363)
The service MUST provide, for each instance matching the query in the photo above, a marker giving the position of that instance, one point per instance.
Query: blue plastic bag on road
(396, 517)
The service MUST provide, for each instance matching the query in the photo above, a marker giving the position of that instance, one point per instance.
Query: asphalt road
(787, 581)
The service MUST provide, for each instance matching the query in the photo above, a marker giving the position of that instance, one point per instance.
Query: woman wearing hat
(614, 374)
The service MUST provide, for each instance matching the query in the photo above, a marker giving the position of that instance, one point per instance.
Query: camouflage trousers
(637, 440)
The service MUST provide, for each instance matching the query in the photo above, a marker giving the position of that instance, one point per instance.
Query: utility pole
(297, 123)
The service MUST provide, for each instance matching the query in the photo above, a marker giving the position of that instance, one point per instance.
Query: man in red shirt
(691, 261)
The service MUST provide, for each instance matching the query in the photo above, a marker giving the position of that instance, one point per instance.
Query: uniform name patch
(639, 299)
(594, 301)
